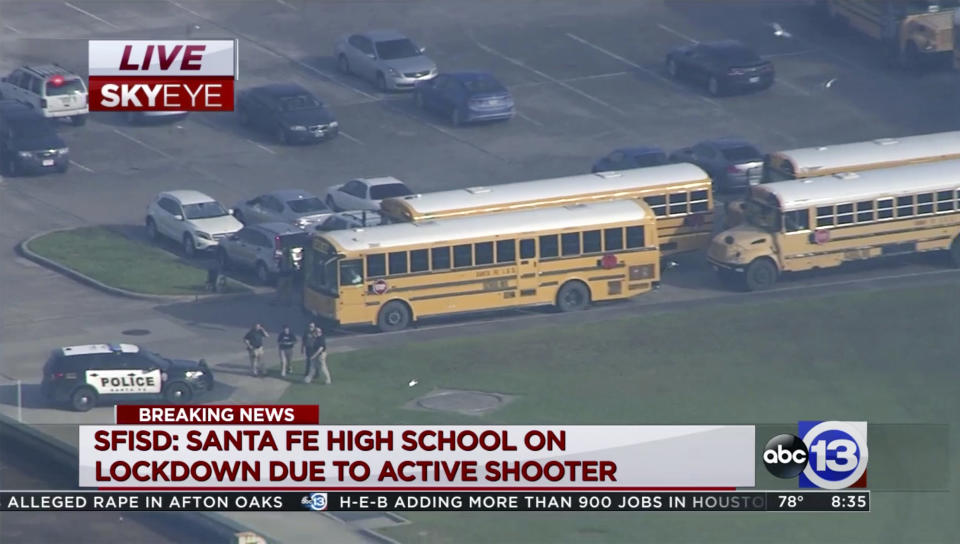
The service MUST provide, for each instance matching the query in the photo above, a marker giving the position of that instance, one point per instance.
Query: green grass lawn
(887, 357)
(117, 261)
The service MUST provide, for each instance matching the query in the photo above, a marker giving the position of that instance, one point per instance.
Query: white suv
(50, 89)
(192, 218)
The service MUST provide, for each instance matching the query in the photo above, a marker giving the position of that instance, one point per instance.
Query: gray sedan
(385, 57)
(292, 206)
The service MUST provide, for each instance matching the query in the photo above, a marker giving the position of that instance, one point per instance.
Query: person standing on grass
(286, 341)
(315, 348)
(254, 342)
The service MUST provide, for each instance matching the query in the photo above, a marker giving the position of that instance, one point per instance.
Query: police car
(51, 89)
(84, 376)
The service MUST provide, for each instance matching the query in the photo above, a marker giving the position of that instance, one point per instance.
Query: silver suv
(260, 247)
(51, 89)
(385, 57)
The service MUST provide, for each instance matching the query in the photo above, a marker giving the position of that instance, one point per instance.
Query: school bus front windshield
(762, 216)
(322, 268)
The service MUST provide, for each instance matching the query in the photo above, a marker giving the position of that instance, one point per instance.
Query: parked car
(50, 89)
(288, 112)
(732, 164)
(722, 66)
(85, 376)
(365, 194)
(293, 206)
(350, 220)
(465, 97)
(260, 248)
(385, 57)
(28, 142)
(192, 218)
(631, 157)
(144, 117)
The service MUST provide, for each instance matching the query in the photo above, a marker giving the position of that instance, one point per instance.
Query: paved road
(587, 78)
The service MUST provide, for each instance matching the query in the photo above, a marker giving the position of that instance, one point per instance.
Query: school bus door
(527, 277)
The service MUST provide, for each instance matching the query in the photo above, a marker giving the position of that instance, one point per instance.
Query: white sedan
(193, 219)
(365, 193)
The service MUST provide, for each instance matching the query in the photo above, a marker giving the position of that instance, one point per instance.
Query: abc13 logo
(825, 455)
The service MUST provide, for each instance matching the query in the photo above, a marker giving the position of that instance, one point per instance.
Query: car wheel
(78, 120)
(223, 260)
(178, 393)
(394, 316)
(281, 136)
(713, 86)
(83, 399)
(343, 64)
(573, 296)
(381, 82)
(760, 274)
(238, 215)
(672, 68)
(331, 204)
(189, 247)
(13, 167)
(955, 252)
(455, 119)
(152, 233)
(263, 275)
(243, 117)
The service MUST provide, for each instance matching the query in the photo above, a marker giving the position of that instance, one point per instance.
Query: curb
(65, 454)
(23, 249)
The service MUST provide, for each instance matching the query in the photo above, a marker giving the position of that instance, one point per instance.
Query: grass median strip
(117, 261)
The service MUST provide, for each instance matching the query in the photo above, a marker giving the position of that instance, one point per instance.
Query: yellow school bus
(827, 221)
(909, 31)
(818, 161)
(568, 256)
(679, 194)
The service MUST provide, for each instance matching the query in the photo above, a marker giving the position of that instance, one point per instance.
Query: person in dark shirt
(254, 342)
(315, 348)
(286, 341)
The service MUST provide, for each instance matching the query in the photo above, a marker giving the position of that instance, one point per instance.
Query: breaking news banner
(499, 501)
(285, 448)
(162, 75)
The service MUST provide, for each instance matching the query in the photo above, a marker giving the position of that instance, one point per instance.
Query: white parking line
(144, 144)
(351, 138)
(570, 80)
(677, 33)
(283, 3)
(567, 86)
(632, 64)
(793, 86)
(528, 119)
(263, 147)
(11, 29)
(88, 14)
(80, 166)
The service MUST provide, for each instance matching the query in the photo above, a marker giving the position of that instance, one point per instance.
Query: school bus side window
(825, 216)
(797, 220)
(398, 262)
(351, 272)
(528, 248)
(945, 201)
(506, 251)
(865, 211)
(613, 239)
(904, 206)
(635, 237)
(678, 203)
(570, 243)
(658, 204)
(462, 255)
(548, 246)
(591, 242)
(885, 208)
(699, 201)
(440, 258)
(483, 253)
(419, 261)
(376, 265)
(844, 214)
(924, 203)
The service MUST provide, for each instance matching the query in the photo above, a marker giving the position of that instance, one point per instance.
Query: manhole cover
(464, 402)
(135, 332)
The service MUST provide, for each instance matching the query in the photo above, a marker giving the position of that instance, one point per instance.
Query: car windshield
(307, 205)
(741, 153)
(69, 86)
(397, 49)
(299, 103)
(204, 210)
(155, 358)
(650, 159)
(483, 85)
(761, 215)
(390, 190)
(31, 129)
(736, 55)
(298, 239)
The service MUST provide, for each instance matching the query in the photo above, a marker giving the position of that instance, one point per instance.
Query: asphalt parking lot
(587, 78)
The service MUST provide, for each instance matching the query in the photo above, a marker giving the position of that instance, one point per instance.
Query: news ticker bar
(499, 501)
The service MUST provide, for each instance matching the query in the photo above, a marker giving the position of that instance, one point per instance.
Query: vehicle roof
(88, 349)
(291, 194)
(604, 185)
(386, 180)
(46, 70)
(866, 185)
(11, 109)
(280, 90)
(466, 75)
(872, 154)
(725, 45)
(189, 196)
(728, 142)
(639, 150)
(383, 34)
(275, 227)
(437, 231)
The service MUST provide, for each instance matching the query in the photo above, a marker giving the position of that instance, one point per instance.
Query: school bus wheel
(955, 251)
(83, 399)
(573, 296)
(760, 274)
(394, 316)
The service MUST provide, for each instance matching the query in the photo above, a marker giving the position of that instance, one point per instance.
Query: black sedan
(288, 112)
(723, 67)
